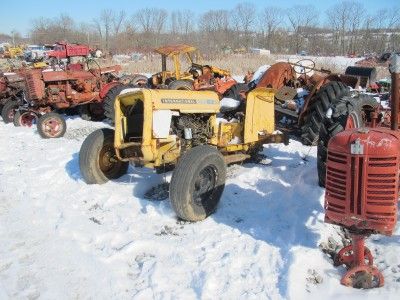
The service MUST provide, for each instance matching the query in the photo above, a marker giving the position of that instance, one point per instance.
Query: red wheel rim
(52, 127)
(27, 119)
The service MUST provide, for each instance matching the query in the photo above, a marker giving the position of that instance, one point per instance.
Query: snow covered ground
(63, 239)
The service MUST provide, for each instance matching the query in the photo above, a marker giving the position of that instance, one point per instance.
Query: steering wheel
(304, 66)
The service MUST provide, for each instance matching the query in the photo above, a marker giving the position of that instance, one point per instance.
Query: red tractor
(49, 92)
(361, 177)
(11, 89)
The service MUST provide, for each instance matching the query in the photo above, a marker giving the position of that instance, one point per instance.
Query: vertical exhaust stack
(395, 71)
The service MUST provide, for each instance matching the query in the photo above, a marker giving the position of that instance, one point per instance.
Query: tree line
(346, 27)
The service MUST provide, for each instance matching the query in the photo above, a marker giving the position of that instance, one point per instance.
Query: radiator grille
(361, 190)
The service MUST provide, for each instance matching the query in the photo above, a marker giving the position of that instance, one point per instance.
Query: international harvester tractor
(48, 92)
(184, 130)
(362, 187)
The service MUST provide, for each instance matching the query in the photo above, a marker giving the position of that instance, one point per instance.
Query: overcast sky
(18, 15)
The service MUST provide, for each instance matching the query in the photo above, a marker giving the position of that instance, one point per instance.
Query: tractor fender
(105, 88)
(309, 100)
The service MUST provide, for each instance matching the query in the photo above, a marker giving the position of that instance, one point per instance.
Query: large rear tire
(347, 113)
(109, 100)
(328, 94)
(97, 160)
(197, 183)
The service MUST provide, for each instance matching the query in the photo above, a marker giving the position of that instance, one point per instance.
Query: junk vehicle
(176, 79)
(12, 84)
(35, 53)
(164, 129)
(49, 91)
(362, 179)
(12, 51)
(302, 98)
(64, 50)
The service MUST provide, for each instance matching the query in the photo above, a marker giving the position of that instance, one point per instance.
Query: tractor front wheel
(25, 118)
(97, 160)
(51, 125)
(197, 183)
(8, 111)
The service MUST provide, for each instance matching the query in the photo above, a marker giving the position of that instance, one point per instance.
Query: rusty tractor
(358, 162)
(196, 77)
(49, 92)
(302, 99)
(12, 84)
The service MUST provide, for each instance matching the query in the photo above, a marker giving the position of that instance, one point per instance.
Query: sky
(18, 15)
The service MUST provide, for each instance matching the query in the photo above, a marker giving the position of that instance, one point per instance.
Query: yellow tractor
(178, 79)
(185, 131)
(13, 52)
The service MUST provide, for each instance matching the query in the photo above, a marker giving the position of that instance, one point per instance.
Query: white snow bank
(61, 238)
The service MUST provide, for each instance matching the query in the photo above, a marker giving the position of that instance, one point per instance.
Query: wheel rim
(205, 185)
(27, 119)
(107, 161)
(52, 127)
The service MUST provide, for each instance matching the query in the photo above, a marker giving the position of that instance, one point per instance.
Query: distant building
(259, 51)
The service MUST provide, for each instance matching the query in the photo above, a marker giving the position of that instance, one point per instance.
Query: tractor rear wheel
(51, 125)
(197, 183)
(139, 80)
(347, 113)
(321, 102)
(185, 85)
(8, 111)
(109, 100)
(97, 160)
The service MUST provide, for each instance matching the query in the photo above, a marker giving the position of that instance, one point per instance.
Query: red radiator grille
(361, 190)
(35, 84)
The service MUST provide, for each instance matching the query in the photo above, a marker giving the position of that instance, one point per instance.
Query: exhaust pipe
(394, 69)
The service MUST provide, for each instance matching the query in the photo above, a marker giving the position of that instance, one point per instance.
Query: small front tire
(97, 160)
(197, 183)
(51, 125)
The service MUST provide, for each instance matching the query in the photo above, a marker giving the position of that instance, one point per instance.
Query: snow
(63, 239)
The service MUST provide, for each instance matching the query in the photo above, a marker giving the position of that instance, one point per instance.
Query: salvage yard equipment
(49, 91)
(362, 186)
(162, 129)
(176, 79)
(302, 100)
(12, 85)
(63, 50)
(173, 80)
(361, 176)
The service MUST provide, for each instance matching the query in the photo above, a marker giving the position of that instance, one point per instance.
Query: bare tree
(243, 18)
(118, 21)
(301, 19)
(182, 22)
(270, 19)
(214, 26)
